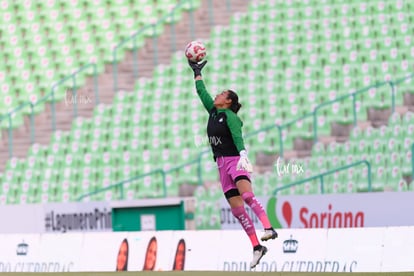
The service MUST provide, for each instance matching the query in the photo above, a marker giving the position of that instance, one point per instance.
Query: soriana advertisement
(331, 211)
(295, 211)
(385, 249)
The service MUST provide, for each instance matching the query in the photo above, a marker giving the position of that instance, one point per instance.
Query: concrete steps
(340, 133)
(126, 81)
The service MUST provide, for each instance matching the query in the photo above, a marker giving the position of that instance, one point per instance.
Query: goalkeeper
(225, 137)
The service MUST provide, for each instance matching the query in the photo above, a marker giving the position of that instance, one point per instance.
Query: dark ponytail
(235, 105)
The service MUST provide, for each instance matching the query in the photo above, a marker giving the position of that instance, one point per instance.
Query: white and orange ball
(195, 51)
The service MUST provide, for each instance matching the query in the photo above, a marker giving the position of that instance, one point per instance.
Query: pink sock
(247, 224)
(257, 208)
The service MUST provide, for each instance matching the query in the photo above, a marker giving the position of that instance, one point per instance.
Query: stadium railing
(412, 161)
(198, 160)
(121, 184)
(141, 32)
(321, 177)
(94, 74)
(73, 91)
(280, 128)
(353, 96)
(168, 18)
(50, 97)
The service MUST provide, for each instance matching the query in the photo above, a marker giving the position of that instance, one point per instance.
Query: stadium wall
(285, 211)
(385, 249)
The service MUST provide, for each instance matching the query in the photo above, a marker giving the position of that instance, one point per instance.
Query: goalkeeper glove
(197, 67)
(244, 163)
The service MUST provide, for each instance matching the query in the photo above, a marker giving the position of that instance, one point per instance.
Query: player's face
(222, 99)
(179, 258)
(151, 256)
(122, 256)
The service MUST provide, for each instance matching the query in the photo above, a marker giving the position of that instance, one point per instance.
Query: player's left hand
(244, 163)
(197, 67)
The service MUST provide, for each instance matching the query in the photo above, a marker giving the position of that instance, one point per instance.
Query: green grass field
(210, 273)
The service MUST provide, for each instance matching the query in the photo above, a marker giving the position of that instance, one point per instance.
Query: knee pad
(247, 197)
(237, 211)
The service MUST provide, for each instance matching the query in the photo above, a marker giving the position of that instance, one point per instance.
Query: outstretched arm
(200, 87)
(203, 94)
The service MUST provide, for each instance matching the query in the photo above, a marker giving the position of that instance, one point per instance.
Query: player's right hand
(244, 163)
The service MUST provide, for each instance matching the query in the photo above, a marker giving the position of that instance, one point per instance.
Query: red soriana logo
(330, 218)
(321, 218)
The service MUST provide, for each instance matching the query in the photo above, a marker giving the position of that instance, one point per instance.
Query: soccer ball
(195, 51)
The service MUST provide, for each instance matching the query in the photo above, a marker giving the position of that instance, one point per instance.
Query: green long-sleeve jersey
(224, 127)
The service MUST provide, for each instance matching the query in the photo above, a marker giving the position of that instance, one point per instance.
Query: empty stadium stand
(286, 59)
